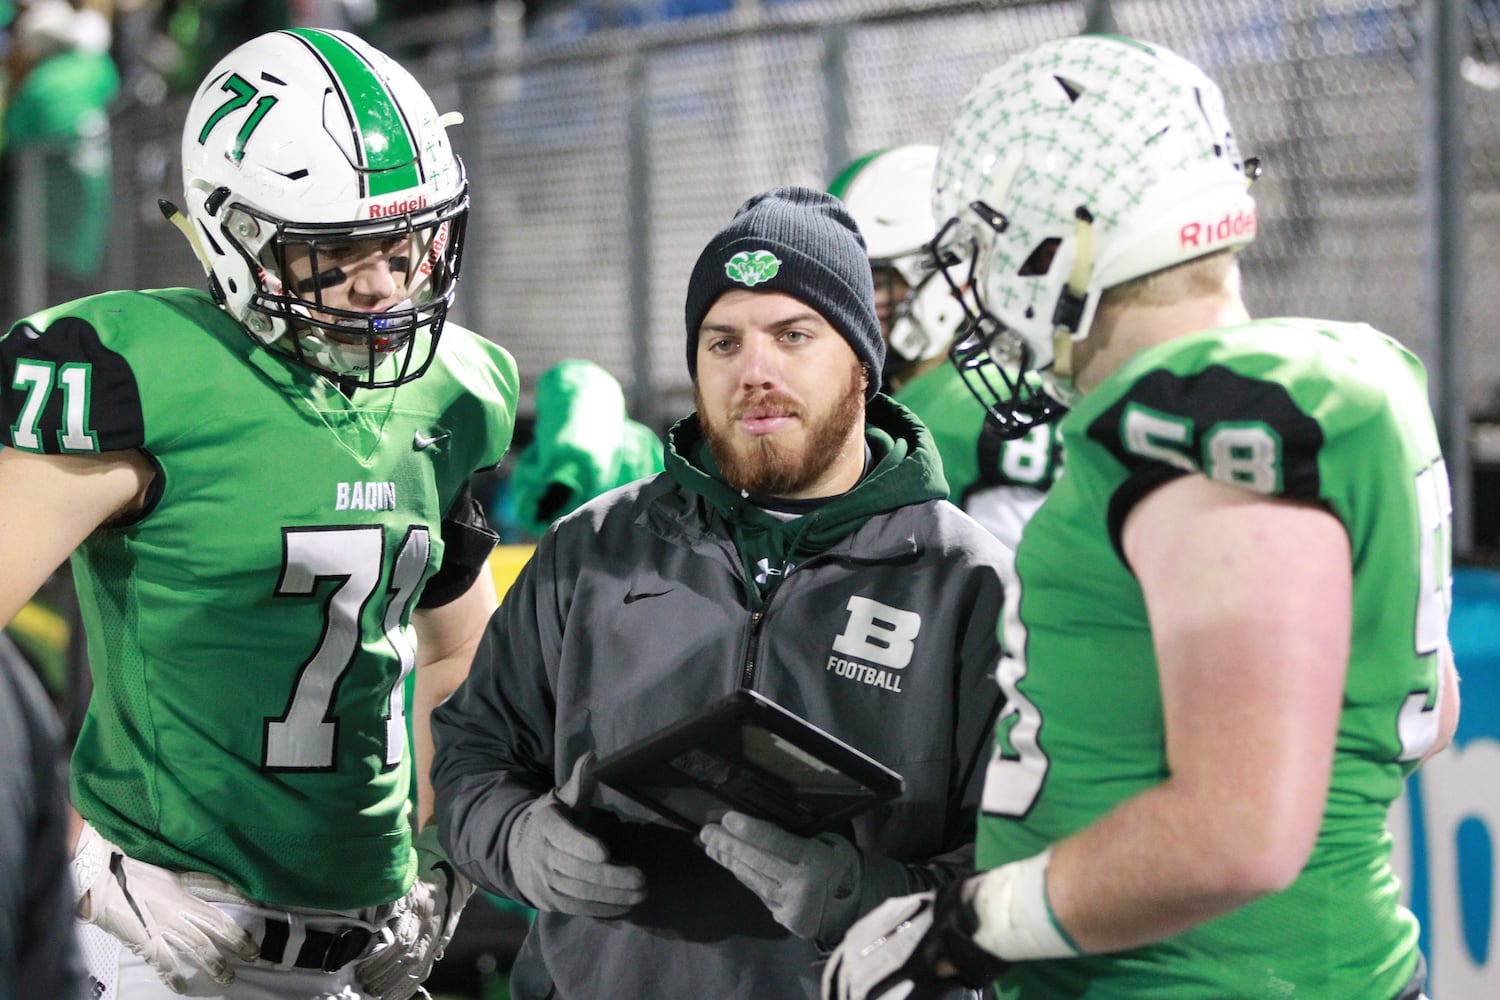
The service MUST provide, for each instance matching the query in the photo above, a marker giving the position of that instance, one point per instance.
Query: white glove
(918, 947)
(560, 868)
(810, 884)
(148, 909)
(873, 961)
(420, 925)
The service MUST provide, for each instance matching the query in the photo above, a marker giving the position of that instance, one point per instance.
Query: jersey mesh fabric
(1337, 414)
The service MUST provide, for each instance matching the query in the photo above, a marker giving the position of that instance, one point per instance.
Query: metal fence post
(1099, 18)
(643, 400)
(835, 99)
(29, 198)
(1444, 153)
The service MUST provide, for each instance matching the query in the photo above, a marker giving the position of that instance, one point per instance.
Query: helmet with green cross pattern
(1073, 167)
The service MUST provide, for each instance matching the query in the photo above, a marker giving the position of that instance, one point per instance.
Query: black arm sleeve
(468, 541)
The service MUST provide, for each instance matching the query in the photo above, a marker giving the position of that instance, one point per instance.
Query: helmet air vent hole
(1208, 119)
(208, 238)
(1073, 90)
(1040, 261)
(215, 199)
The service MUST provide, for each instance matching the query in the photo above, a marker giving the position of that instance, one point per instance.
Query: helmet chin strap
(1062, 354)
(175, 217)
(1063, 336)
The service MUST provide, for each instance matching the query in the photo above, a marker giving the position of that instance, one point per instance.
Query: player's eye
(341, 253)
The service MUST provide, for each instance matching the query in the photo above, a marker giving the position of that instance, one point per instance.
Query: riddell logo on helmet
(439, 242)
(1234, 225)
(397, 207)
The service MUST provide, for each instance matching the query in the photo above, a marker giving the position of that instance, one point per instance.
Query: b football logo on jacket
(876, 634)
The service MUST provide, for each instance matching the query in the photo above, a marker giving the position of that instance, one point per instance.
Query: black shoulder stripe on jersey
(111, 410)
(1204, 402)
(1124, 499)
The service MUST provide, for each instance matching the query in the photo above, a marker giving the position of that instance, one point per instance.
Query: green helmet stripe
(389, 151)
(840, 186)
(1145, 47)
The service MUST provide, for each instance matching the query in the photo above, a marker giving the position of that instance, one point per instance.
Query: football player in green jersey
(1227, 643)
(997, 475)
(264, 492)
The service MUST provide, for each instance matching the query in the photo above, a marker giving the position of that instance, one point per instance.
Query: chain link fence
(600, 166)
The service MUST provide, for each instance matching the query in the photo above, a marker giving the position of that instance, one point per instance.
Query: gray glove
(811, 885)
(560, 868)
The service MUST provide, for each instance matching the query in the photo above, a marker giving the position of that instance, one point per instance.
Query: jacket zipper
(747, 675)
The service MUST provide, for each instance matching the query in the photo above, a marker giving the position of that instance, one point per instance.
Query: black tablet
(747, 753)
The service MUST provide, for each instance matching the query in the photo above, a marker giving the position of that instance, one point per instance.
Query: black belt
(326, 950)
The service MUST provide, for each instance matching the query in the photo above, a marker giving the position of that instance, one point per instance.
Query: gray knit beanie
(801, 242)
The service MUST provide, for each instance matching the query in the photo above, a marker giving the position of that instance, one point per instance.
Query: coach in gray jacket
(799, 545)
(38, 948)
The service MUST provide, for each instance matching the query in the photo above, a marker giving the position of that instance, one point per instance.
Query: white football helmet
(311, 140)
(889, 194)
(1073, 167)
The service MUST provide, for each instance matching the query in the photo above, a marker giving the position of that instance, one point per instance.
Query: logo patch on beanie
(750, 269)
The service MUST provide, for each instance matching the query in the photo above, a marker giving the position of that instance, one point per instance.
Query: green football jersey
(249, 633)
(974, 456)
(1296, 408)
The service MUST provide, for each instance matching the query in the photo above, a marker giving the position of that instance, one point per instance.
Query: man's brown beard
(769, 468)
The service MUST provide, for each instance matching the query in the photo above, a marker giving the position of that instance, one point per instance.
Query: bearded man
(799, 545)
